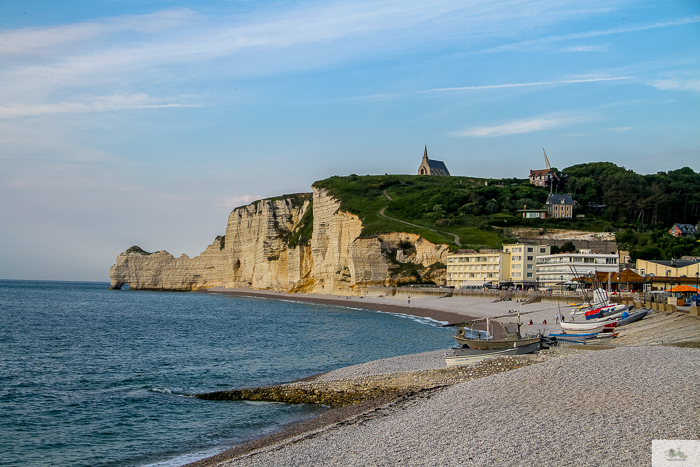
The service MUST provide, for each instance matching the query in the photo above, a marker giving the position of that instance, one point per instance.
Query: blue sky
(146, 122)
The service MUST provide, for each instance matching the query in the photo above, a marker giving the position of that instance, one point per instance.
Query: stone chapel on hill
(428, 167)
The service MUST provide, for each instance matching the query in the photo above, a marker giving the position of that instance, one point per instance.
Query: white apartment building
(515, 265)
(471, 269)
(563, 267)
(523, 263)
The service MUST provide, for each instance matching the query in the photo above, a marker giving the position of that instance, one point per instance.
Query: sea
(97, 377)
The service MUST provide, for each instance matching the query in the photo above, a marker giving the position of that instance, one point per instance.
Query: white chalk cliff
(270, 244)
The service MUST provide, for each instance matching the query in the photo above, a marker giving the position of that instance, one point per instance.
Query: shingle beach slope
(589, 409)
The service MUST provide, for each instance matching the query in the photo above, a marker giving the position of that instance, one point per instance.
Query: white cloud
(537, 83)
(518, 127)
(677, 84)
(620, 129)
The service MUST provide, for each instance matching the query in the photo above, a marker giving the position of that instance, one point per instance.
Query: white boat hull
(585, 328)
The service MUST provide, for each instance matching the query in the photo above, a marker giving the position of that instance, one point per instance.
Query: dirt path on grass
(381, 213)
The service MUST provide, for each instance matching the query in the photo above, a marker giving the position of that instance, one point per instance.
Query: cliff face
(269, 244)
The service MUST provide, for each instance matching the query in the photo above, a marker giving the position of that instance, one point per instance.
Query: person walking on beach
(556, 319)
(409, 299)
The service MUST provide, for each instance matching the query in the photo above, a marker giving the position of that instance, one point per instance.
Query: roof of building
(626, 275)
(539, 172)
(686, 228)
(674, 263)
(437, 166)
(554, 198)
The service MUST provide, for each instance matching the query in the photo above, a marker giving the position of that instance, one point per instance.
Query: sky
(146, 122)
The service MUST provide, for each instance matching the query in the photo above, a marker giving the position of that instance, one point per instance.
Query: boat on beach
(574, 327)
(514, 349)
(472, 350)
(632, 317)
(587, 339)
(512, 338)
(610, 311)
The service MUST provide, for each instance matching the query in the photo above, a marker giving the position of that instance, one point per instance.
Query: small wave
(418, 319)
(188, 458)
(262, 403)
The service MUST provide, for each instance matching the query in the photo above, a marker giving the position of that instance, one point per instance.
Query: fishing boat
(512, 338)
(514, 349)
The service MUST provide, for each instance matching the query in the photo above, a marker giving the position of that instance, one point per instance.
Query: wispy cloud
(597, 33)
(99, 104)
(677, 84)
(620, 129)
(36, 40)
(588, 48)
(134, 53)
(519, 127)
(521, 85)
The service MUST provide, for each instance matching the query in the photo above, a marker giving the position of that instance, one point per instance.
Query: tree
(568, 247)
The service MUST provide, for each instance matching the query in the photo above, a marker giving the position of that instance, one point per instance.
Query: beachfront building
(662, 274)
(513, 266)
(472, 269)
(563, 268)
(523, 263)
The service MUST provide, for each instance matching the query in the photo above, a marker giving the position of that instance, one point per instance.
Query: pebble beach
(565, 406)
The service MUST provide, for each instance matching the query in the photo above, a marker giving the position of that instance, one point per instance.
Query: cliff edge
(294, 243)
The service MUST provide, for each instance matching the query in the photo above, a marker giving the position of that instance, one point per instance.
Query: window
(529, 266)
(516, 266)
(529, 258)
(529, 250)
(529, 274)
(543, 250)
(611, 260)
(517, 258)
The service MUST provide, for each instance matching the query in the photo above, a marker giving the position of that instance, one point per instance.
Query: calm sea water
(97, 377)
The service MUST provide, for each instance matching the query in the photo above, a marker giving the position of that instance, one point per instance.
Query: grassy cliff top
(452, 210)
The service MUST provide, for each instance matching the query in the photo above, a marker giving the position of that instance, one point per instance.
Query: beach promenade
(566, 406)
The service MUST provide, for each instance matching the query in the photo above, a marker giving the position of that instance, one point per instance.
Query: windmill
(551, 176)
